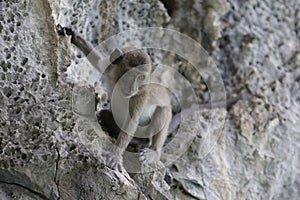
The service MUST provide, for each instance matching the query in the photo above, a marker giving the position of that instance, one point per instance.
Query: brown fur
(145, 99)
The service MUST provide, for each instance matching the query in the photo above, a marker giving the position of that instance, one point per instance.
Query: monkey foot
(63, 30)
(113, 161)
(148, 156)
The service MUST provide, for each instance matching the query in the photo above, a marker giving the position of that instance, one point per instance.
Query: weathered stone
(51, 143)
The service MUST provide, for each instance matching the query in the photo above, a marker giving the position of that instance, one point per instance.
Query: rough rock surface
(260, 55)
(47, 151)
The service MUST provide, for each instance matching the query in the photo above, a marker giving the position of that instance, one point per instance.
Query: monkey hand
(148, 156)
(113, 160)
(64, 30)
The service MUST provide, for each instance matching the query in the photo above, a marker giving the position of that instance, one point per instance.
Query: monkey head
(132, 67)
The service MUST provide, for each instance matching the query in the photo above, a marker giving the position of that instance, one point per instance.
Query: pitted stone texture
(260, 56)
(140, 13)
(198, 19)
(8, 192)
(38, 143)
(42, 143)
(44, 146)
(85, 18)
(96, 20)
(28, 98)
(201, 168)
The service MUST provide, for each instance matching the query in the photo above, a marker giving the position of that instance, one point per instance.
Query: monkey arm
(89, 51)
(123, 141)
(114, 155)
(87, 48)
(124, 138)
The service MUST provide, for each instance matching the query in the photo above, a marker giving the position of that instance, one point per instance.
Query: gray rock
(51, 144)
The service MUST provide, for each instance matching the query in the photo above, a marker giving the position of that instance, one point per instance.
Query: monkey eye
(141, 77)
(116, 56)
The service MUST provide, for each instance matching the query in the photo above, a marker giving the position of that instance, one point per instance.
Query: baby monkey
(149, 105)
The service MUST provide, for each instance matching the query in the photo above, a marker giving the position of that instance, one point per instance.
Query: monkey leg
(162, 119)
(113, 157)
(152, 154)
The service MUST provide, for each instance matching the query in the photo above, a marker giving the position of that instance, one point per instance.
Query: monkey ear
(116, 56)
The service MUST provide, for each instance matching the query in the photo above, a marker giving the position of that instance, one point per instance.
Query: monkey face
(131, 81)
(131, 67)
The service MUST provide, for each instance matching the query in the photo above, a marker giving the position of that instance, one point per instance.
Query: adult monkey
(149, 105)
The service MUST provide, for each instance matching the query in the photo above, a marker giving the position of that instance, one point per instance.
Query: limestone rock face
(51, 143)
